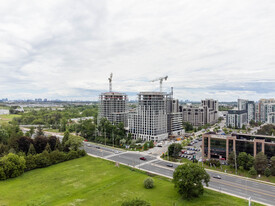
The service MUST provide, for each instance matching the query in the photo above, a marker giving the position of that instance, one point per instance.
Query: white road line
(144, 163)
(113, 155)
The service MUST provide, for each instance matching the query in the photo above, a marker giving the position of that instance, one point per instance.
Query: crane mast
(110, 82)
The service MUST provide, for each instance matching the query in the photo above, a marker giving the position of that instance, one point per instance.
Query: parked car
(169, 165)
(89, 145)
(142, 158)
(97, 147)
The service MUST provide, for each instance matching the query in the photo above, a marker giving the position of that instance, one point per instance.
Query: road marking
(144, 163)
(248, 189)
(116, 154)
(161, 166)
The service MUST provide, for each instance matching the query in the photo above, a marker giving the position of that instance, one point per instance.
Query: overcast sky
(222, 49)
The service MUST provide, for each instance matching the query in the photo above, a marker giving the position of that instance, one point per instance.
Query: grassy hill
(92, 181)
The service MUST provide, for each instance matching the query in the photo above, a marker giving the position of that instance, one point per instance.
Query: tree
(30, 162)
(53, 142)
(24, 144)
(31, 150)
(250, 162)
(174, 149)
(136, 202)
(48, 148)
(272, 160)
(42, 159)
(252, 171)
(187, 126)
(149, 183)
(31, 131)
(231, 159)
(4, 136)
(188, 180)
(260, 162)
(74, 142)
(267, 172)
(39, 131)
(242, 159)
(40, 143)
(151, 144)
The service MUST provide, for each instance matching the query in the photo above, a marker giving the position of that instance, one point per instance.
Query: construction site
(156, 117)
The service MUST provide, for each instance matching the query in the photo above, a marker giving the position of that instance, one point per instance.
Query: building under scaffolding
(113, 107)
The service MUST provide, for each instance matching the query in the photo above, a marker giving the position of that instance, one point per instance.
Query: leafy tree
(40, 143)
(42, 159)
(188, 180)
(242, 159)
(267, 172)
(57, 156)
(231, 159)
(174, 149)
(250, 162)
(31, 131)
(48, 148)
(13, 165)
(149, 183)
(252, 171)
(260, 162)
(39, 131)
(145, 146)
(136, 202)
(74, 142)
(188, 126)
(65, 137)
(4, 136)
(31, 150)
(151, 144)
(24, 144)
(53, 142)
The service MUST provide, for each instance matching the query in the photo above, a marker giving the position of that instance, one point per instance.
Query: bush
(72, 155)
(81, 153)
(149, 183)
(2, 173)
(30, 162)
(13, 165)
(267, 172)
(57, 157)
(42, 160)
(136, 202)
(252, 171)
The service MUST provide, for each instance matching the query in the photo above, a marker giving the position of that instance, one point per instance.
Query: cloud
(67, 49)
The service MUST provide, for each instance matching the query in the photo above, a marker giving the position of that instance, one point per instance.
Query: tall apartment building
(236, 118)
(149, 121)
(206, 113)
(263, 108)
(113, 107)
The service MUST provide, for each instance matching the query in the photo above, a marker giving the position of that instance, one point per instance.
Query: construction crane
(160, 81)
(110, 82)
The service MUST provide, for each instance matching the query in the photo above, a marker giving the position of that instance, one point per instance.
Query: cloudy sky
(222, 49)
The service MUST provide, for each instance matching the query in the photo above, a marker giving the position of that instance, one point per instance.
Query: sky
(221, 49)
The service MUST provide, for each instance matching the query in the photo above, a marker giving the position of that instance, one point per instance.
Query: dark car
(142, 158)
(169, 165)
(217, 176)
(97, 147)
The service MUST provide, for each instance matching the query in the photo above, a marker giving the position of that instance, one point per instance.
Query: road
(242, 187)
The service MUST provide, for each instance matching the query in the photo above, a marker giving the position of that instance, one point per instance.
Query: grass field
(7, 117)
(92, 181)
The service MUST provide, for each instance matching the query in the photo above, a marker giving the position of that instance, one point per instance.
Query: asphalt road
(242, 187)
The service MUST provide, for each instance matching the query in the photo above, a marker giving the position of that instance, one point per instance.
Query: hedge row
(13, 165)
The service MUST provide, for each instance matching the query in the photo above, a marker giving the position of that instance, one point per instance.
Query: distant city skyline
(66, 50)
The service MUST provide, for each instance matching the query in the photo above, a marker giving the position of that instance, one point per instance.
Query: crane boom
(160, 79)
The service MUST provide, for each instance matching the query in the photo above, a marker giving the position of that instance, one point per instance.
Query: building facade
(206, 113)
(149, 121)
(220, 146)
(113, 107)
(236, 118)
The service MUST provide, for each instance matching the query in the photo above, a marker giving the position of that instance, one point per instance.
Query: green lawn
(7, 117)
(92, 181)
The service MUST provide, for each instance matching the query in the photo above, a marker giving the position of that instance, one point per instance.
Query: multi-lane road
(238, 186)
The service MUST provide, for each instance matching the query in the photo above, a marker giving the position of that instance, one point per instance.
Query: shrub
(42, 160)
(267, 172)
(136, 202)
(13, 165)
(252, 171)
(2, 173)
(148, 183)
(57, 156)
(81, 153)
(30, 162)
(72, 155)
